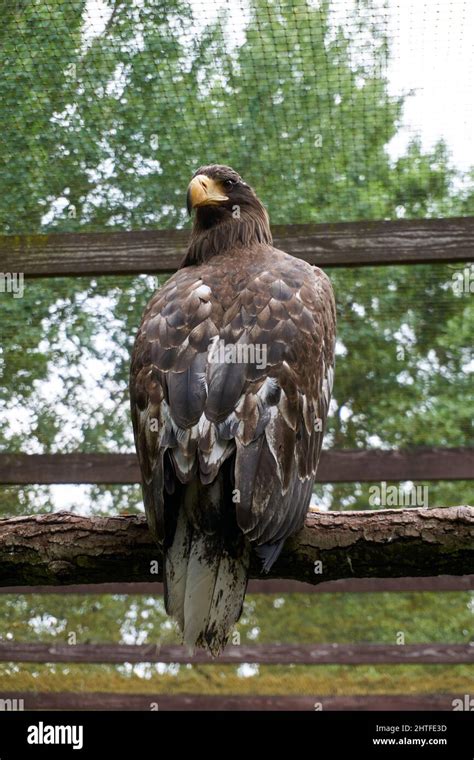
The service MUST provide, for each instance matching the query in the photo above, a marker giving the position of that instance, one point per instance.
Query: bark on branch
(64, 548)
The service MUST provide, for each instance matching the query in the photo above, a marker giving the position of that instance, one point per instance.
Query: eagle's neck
(216, 230)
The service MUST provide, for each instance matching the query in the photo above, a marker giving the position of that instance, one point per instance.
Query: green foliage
(422, 617)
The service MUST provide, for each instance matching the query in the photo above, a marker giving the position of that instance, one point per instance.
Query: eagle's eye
(229, 183)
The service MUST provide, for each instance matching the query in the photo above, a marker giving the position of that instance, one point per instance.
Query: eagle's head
(228, 213)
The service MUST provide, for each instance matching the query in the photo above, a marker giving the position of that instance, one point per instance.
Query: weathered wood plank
(163, 702)
(273, 586)
(264, 654)
(340, 466)
(161, 251)
(64, 548)
(336, 466)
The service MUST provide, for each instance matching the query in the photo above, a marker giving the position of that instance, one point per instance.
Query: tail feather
(227, 600)
(206, 563)
(215, 590)
(200, 582)
(176, 568)
(204, 585)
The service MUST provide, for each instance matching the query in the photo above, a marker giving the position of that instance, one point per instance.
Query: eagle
(230, 385)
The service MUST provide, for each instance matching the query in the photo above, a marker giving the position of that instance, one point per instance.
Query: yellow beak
(204, 191)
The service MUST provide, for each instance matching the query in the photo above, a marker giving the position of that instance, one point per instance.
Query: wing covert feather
(267, 411)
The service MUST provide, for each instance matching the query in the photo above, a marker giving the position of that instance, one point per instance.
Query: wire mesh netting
(332, 110)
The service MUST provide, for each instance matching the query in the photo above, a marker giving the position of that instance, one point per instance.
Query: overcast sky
(432, 55)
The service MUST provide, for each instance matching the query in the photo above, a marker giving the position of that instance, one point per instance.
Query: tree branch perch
(64, 548)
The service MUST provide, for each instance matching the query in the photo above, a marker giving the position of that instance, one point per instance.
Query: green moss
(223, 679)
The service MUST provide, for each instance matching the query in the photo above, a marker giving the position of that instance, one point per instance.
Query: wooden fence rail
(273, 586)
(161, 251)
(30, 700)
(336, 466)
(264, 654)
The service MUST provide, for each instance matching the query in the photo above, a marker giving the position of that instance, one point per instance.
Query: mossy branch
(64, 548)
